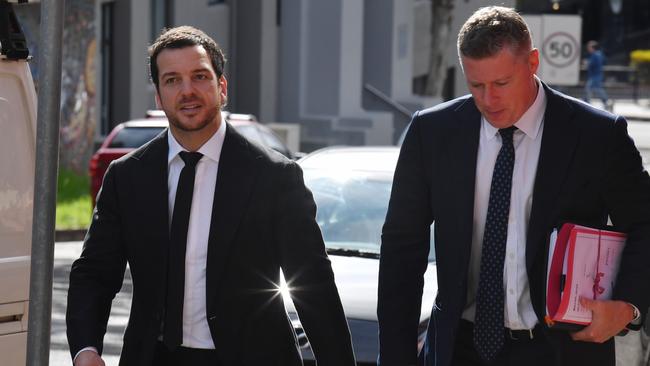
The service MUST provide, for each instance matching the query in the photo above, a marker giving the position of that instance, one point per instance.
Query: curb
(69, 235)
(639, 118)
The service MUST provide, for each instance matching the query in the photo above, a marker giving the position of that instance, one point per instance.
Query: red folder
(583, 262)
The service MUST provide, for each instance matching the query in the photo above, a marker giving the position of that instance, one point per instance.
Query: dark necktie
(488, 323)
(173, 326)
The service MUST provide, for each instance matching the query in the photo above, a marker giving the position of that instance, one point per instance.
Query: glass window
(105, 59)
(134, 137)
(250, 132)
(351, 208)
(160, 17)
(274, 142)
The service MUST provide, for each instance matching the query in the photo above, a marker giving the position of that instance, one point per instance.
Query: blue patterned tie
(488, 323)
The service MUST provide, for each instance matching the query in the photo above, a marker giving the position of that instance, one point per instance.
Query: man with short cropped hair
(495, 172)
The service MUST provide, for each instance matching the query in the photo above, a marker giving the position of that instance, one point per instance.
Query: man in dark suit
(205, 220)
(495, 172)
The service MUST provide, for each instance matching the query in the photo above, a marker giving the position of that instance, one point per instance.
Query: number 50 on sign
(558, 39)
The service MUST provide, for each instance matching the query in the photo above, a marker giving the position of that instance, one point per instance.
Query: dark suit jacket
(588, 169)
(263, 219)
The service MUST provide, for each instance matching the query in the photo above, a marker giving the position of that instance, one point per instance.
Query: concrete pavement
(64, 254)
(628, 108)
(628, 347)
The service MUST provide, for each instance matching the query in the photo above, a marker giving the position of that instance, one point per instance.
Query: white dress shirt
(196, 333)
(518, 309)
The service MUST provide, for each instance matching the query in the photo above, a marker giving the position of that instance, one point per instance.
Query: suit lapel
(152, 187)
(462, 159)
(559, 140)
(235, 179)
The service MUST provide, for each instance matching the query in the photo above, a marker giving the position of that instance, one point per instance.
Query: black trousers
(182, 356)
(516, 352)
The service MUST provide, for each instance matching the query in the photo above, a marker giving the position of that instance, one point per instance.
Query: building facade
(343, 70)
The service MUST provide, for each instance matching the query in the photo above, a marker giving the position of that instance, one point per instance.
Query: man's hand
(88, 358)
(609, 317)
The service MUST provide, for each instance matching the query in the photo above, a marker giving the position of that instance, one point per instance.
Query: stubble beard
(212, 115)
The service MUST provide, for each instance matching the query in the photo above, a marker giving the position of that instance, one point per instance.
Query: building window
(106, 68)
(160, 17)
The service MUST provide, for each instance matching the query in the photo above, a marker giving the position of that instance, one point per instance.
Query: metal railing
(388, 101)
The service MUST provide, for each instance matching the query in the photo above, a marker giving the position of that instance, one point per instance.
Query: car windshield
(250, 132)
(134, 137)
(351, 210)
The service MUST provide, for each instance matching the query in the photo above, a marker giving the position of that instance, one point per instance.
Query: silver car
(351, 187)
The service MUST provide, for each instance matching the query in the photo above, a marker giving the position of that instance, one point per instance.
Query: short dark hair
(181, 37)
(491, 29)
(593, 44)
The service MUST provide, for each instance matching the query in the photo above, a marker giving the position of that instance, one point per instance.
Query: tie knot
(190, 158)
(506, 133)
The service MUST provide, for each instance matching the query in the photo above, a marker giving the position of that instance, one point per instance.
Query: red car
(130, 135)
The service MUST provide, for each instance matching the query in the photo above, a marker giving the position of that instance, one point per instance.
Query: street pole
(45, 182)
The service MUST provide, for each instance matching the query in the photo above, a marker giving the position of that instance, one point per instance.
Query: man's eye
(201, 77)
(170, 81)
(502, 83)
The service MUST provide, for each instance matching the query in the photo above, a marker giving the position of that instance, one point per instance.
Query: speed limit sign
(560, 49)
(558, 39)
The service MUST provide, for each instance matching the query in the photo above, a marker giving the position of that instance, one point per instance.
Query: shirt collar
(211, 149)
(530, 122)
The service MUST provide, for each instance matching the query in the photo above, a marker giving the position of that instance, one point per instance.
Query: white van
(17, 161)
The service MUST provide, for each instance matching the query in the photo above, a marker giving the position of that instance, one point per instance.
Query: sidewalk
(69, 235)
(639, 111)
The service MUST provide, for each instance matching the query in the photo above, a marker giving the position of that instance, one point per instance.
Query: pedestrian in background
(594, 84)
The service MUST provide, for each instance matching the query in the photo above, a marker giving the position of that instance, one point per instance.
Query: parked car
(130, 135)
(351, 187)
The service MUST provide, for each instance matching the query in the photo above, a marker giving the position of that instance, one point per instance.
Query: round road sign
(560, 49)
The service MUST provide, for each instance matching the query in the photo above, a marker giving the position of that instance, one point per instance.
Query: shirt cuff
(93, 349)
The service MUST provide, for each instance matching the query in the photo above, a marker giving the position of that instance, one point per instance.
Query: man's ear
(158, 102)
(223, 83)
(533, 60)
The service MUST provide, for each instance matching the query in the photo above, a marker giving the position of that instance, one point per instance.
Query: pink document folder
(583, 262)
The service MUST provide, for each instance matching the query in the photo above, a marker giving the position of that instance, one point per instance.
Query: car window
(250, 132)
(134, 137)
(351, 207)
(274, 142)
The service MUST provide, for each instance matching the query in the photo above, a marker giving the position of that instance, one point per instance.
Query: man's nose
(489, 96)
(187, 87)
